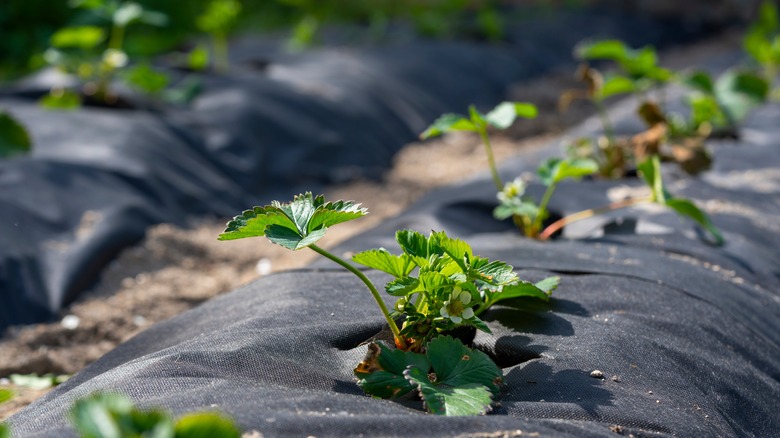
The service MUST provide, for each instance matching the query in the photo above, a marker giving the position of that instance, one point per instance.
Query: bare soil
(174, 269)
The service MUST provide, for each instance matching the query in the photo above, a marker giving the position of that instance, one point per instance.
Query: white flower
(455, 307)
(514, 189)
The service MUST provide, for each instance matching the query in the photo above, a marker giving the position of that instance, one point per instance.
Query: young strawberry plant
(95, 56)
(650, 170)
(440, 285)
(218, 20)
(110, 415)
(14, 139)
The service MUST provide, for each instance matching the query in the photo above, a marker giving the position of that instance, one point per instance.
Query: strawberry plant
(109, 415)
(218, 20)
(14, 139)
(439, 284)
(95, 55)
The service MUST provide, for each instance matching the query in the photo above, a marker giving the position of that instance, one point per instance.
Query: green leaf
(333, 213)
(614, 50)
(503, 115)
(107, 415)
(388, 381)
(206, 425)
(402, 286)
(455, 364)
(768, 17)
(549, 284)
(615, 85)
(650, 169)
(5, 431)
(434, 282)
(34, 381)
(80, 37)
(253, 223)
(555, 170)
(521, 289)
(701, 81)
(381, 259)
(448, 123)
(467, 399)
(61, 100)
(739, 92)
(686, 208)
(478, 323)
(455, 248)
(220, 16)
(127, 13)
(14, 138)
(523, 208)
(290, 238)
(144, 78)
(5, 395)
(413, 243)
(496, 273)
(198, 59)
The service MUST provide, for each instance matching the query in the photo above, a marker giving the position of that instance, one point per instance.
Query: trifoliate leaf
(333, 213)
(290, 238)
(387, 381)
(448, 123)
(467, 399)
(206, 425)
(685, 207)
(503, 115)
(381, 259)
(79, 37)
(402, 286)
(14, 138)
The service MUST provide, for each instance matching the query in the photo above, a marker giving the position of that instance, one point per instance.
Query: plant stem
(491, 161)
(543, 209)
(608, 130)
(393, 327)
(584, 214)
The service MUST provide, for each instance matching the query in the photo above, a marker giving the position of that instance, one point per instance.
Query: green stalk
(393, 327)
(491, 161)
(584, 214)
(543, 208)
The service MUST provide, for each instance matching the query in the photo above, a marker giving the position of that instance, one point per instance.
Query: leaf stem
(393, 327)
(543, 208)
(491, 160)
(584, 214)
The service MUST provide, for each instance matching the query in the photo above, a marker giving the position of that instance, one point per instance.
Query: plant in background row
(439, 284)
(96, 56)
(217, 20)
(762, 41)
(14, 139)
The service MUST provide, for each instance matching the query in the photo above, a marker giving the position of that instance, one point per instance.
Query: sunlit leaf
(448, 123)
(503, 115)
(381, 259)
(206, 425)
(80, 37)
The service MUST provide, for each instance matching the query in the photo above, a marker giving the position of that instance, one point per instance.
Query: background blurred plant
(14, 138)
(218, 20)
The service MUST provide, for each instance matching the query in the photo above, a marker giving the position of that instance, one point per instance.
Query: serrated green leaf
(291, 239)
(503, 115)
(334, 213)
(455, 248)
(549, 284)
(413, 243)
(478, 323)
(381, 259)
(5, 395)
(402, 286)
(467, 399)
(79, 37)
(496, 273)
(521, 289)
(14, 138)
(434, 281)
(253, 223)
(615, 85)
(206, 425)
(389, 381)
(686, 208)
(448, 123)
(456, 365)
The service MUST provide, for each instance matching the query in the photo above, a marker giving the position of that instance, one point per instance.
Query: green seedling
(440, 285)
(5, 395)
(501, 117)
(762, 40)
(650, 170)
(95, 55)
(14, 139)
(528, 215)
(218, 20)
(110, 415)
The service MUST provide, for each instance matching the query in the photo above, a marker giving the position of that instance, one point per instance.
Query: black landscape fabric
(686, 334)
(277, 124)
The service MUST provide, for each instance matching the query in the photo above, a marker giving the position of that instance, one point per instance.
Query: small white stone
(70, 322)
(597, 374)
(263, 266)
(139, 320)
